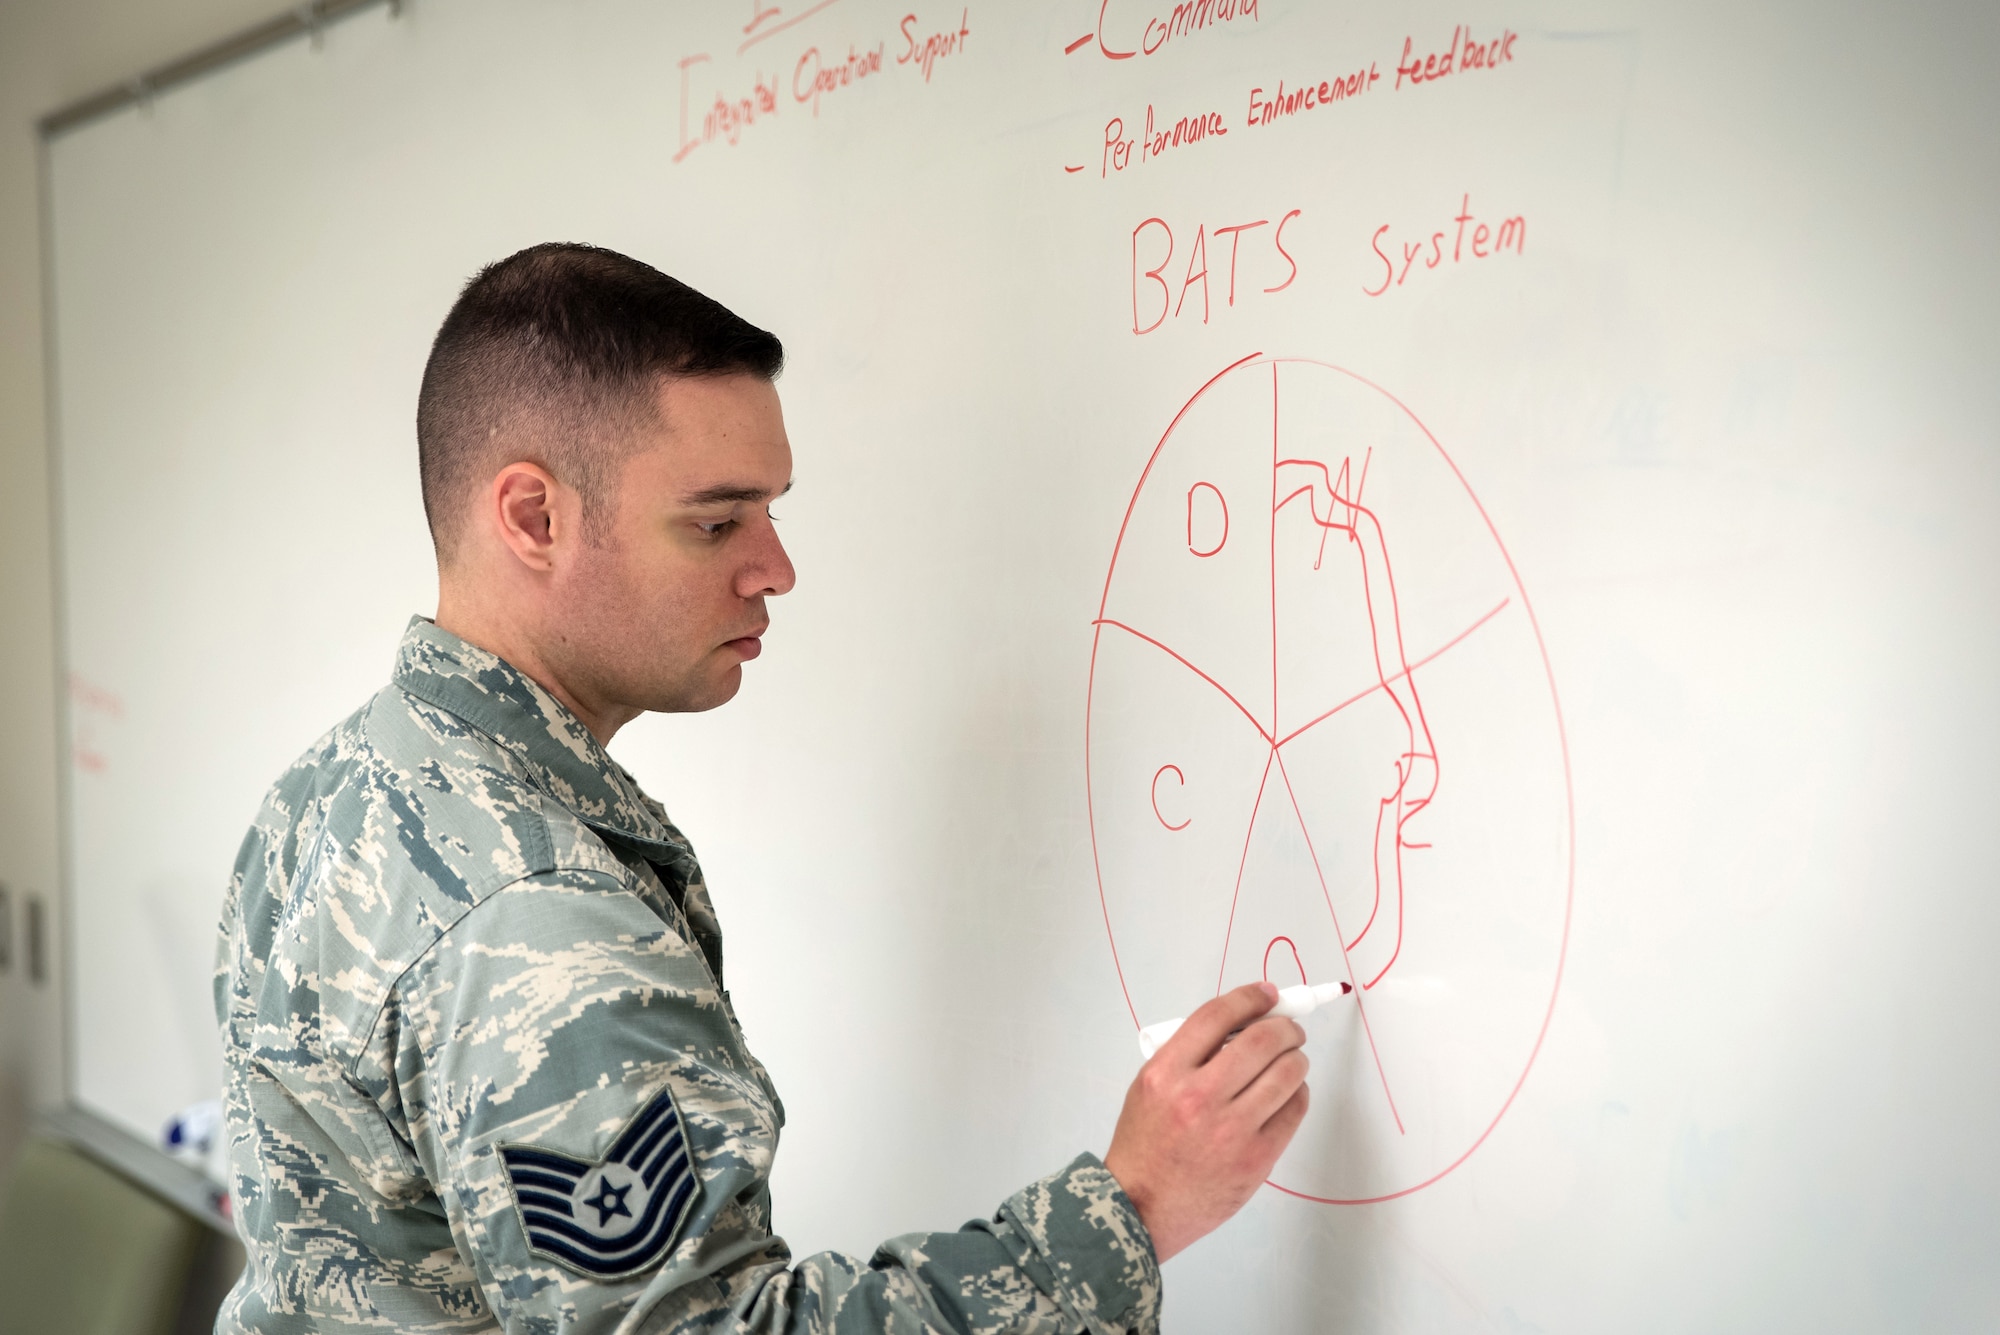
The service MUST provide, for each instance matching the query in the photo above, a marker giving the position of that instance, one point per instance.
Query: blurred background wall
(51, 52)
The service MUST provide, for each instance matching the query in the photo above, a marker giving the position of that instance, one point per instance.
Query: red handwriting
(1483, 242)
(1181, 20)
(1186, 130)
(1290, 945)
(1266, 106)
(92, 702)
(828, 78)
(1222, 509)
(1155, 237)
(726, 117)
(934, 47)
(1263, 111)
(1463, 54)
(815, 74)
(1154, 142)
(759, 14)
(95, 699)
(1181, 780)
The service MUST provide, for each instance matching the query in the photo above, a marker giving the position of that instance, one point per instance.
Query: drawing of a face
(1353, 761)
(1307, 618)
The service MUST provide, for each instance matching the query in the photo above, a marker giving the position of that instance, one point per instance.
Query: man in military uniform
(483, 1071)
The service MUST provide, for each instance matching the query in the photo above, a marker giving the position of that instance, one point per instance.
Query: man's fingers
(1275, 1085)
(1259, 1044)
(1285, 1122)
(1232, 1070)
(1202, 1032)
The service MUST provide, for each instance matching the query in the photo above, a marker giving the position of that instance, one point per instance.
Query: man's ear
(533, 512)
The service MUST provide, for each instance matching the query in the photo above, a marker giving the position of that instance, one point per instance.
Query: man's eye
(715, 528)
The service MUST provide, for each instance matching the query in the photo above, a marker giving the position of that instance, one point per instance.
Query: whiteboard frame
(308, 21)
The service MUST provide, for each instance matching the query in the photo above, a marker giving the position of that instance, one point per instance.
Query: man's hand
(1209, 1115)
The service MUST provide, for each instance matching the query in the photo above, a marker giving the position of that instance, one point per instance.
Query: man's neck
(518, 648)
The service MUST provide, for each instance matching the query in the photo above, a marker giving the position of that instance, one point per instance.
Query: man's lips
(748, 645)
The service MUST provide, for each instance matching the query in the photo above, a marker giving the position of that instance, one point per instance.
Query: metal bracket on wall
(308, 20)
(38, 943)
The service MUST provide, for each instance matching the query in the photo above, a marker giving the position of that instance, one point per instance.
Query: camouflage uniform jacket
(482, 1072)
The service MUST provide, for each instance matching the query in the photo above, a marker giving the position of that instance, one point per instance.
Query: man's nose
(770, 573)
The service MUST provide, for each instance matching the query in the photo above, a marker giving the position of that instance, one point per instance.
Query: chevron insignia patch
(615, 1217)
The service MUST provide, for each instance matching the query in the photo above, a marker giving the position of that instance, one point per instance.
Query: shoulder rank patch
(615, 1217)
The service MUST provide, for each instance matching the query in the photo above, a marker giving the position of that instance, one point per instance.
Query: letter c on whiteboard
(1220, 508)
(1180, 779)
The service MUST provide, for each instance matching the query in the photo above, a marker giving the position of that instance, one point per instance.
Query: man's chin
(700, 697)
(724, 690)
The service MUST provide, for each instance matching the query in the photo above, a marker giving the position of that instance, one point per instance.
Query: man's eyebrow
(729, 493)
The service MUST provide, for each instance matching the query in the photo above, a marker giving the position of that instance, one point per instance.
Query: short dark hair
(553, 356)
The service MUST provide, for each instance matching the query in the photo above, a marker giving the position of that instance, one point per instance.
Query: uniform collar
(565, 758)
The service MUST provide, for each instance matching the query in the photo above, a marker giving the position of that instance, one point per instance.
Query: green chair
(85, 1252)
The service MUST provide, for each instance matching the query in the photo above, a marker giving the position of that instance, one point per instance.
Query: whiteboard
(1518, 538)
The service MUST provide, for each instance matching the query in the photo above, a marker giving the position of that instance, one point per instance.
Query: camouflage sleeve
(575, 1086)
(1067, 1253)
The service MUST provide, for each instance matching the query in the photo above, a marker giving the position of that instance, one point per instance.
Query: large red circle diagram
(1323, 744)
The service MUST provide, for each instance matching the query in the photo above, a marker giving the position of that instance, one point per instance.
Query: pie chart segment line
(1229, 929)
(1347, 965)
(1107, 621)
(1367, 691)
(1271, 528)
(1090, 813)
